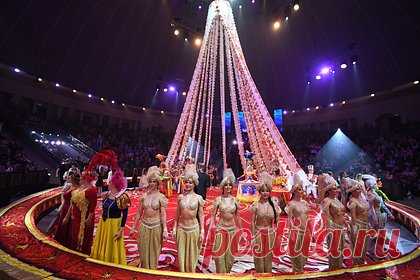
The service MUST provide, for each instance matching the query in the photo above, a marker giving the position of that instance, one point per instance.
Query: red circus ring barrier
(24, 246)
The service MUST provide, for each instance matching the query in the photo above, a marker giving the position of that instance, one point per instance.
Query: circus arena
(209, 139)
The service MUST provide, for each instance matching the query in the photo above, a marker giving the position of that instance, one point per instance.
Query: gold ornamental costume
(264, 211)
(150, 239)
(114, 216)
(224, 235)
(187, 238)
(360, 222)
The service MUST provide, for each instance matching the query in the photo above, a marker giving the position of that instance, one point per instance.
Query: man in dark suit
(203, 181)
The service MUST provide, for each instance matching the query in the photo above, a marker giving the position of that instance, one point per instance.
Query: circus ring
(23, 245)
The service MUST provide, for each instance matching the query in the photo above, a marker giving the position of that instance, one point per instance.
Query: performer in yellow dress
(108, 244)
(152, 213)
(226, 208)
(247, 188)
(165, 180)
(265, 215)
(189, 223)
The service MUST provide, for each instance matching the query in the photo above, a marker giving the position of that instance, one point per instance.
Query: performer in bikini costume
(152, 213)
(189, 223)
(225, 208)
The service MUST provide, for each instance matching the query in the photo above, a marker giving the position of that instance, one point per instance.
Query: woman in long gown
(335, 213)
(226, 208)
(297, 210)
(359, 210)
(153, 229)
(60, 227)
(108, 245)
(82, 214)
(189, 223)
(265, 215)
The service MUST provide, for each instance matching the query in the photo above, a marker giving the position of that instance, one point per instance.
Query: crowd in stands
(391, 155)
(12, 156)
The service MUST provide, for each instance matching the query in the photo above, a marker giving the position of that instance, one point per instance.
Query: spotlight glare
(325, 70)
(39, 80)
(144, 109)
(123, 104)
(331, 104)
(90, 95)
(372, 95)
(296, 7)
(276, 25)
(53, 143)
(308, 109)
(186, 39)
(240, 6)
(197, 42)
(309, 82)
(354, 62)
(162, 112)
(57, 84)
(317, 107)
(172, 88)
(318, 77)
(184, 93)
(102, 99)
(200, 7)
(74, 91)
(165, 90)
(17, 70)
(33, 132)
(284, 112)
(253, 1)
(293, 111)
(287, 18)
(343, 65)
(416, 82)
(176, 32)
(113, 102)
(234, 142)
(343, 102)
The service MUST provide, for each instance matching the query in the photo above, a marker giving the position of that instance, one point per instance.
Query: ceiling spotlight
(113, 102)
(53, 143)
(253, 1)
(308, 82)
(296, 7)
(240, 6)
(123, 104)
(165, 89)
(317, 107)
(16, 70)
(416, 82)
(176, 32)
(186, 39)
(372, 95)
(331, 104)
(57, 84)
(343, 102)
(197, 42)
(293, 111)
(343, 65)
(184, 93)
(172, 88)
(354, 62)
(284, 112)
(90, 95)
(144, 109)
(325, 70)
(276, 25)
(200, 7)
(318, 77)
(74, 91)
(287, 18)
(102, 99)
(308, 109)
(162, 112)
(39, 80)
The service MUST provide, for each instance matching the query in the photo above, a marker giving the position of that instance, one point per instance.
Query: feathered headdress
(118, 180)
(160, 157)
(228, 178)
(266, 181)
(191, 174)
(153, 173)
(104, 157)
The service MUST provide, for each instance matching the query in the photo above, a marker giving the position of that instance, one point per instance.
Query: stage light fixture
(317, 107)
(90, 95)
(39, 80)
(293, 111)
(17, 70)
(253, 1)
(176, 32)
(144, 109)
(74, 91)
(308, 109)
(343, 102)
(113, 102)
(331, 104)
(197, 42)
(416, 82)
(343, 65)
(57, 84)
(296, 7)
(284, 112)
(325, 70)
(102, 99)
(172, 88)
(200, 7)
(287, 18)
(162, 112)
(234, 142)
(372, 95)
(240, 6)
(276, 25)
(123, 104)
(318, 77)
(186, 39)
(165, 89)
(308, 82)
(184, 93)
